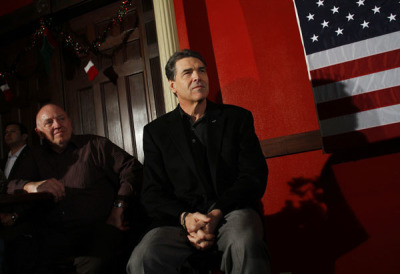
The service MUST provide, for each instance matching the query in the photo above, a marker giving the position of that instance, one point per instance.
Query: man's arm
(158, 194)
(127, 171)
(122, 169)
(53, 186)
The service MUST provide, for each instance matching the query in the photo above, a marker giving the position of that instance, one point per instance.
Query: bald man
(91, 180)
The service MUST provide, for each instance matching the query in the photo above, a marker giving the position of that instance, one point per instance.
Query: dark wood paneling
(151, 32)
(157, 85)
(132, 52)
(87, 111)
(111, 114)
(139, 111)
(291, 144)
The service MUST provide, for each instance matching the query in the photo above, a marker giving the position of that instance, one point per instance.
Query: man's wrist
(183, 220)
(120, 204)
(14, 217)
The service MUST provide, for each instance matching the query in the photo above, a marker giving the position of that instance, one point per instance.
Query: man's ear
(172, 86)
(41, 135)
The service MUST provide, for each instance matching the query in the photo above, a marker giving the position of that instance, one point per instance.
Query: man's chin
(60, 143)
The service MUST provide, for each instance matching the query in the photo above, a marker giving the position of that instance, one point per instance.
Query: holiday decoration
(5, 88)
(91, 70)
(47, 49)
(49, 43)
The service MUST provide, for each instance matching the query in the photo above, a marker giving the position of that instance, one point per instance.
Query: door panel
(87, 119)
(116, 108)
(111, 113)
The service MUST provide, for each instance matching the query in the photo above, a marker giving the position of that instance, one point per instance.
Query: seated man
(15, 138)
(91, 180)
(204, 172)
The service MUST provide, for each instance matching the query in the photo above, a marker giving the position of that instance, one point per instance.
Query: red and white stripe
(358, 98)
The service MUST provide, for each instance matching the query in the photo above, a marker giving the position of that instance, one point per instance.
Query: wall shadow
(314, 228)
(317, 224)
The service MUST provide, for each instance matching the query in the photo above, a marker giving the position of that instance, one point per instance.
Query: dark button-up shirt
(93, 170)
(196, 136)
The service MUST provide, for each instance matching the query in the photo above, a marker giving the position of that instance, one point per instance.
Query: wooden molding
(291, 144)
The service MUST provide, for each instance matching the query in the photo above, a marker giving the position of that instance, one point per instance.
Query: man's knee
(146, 251)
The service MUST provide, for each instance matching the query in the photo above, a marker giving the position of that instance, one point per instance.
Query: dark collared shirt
(93, 170)
(196, 135)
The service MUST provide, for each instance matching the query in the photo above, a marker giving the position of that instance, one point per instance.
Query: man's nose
(195, 76)
(56, 123)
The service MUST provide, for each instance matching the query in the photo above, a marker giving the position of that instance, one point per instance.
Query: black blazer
(13, 172)
(172, 183)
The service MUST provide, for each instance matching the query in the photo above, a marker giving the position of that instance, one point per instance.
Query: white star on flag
(392, 17)
(360, 2)
(324, 24)
(376, 10)
(350, 17)
(365, 24)
(314, 38)
(320, 3)
(335, 10)
(339, 31)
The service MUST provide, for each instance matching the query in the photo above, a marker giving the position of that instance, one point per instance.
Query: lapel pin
(213, 121)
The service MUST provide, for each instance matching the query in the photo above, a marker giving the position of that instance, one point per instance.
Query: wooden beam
(291, 144)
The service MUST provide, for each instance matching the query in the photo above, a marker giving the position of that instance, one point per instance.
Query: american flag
(353, 57)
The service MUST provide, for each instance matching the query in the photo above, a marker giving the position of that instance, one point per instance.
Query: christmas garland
(46, 31)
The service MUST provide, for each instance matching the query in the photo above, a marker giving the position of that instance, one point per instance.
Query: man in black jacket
(204, 172)
(15, 137)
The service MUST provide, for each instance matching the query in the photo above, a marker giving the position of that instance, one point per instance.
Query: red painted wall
(324, 214)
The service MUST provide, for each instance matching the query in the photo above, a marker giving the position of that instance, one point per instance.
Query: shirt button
(193, 141)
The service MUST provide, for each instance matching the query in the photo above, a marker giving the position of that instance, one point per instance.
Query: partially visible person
(3, 179)
(204, 176)
(92, 181)
(15, 138)
(2, 245)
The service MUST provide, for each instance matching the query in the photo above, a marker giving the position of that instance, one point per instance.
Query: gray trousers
(240, 238)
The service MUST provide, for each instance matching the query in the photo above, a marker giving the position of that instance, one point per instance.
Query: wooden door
(118, 110)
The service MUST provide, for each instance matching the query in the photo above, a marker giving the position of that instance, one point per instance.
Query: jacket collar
(216, 124)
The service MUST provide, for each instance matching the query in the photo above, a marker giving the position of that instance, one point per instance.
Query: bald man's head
(54, 125)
